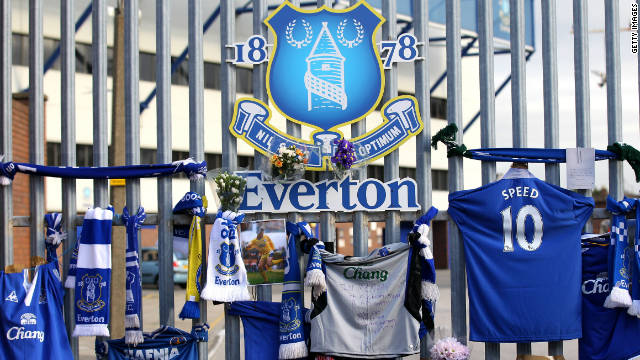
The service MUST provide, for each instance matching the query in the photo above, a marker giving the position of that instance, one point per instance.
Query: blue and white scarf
(226, 274)
(315, 271)
(133, 334)
(634, 309)
(430, 290)
(619, 254)
(55, 236)
(292, 337)
(93, 274)
(70, 281)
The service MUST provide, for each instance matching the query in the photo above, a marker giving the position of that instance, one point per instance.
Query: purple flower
(449, 349)
(344, 156)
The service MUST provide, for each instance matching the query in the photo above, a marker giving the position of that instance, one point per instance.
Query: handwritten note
(581, 168)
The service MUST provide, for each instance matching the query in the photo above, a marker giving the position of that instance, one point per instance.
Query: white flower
(234, 190)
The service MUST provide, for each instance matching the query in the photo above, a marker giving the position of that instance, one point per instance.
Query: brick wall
(21, 240)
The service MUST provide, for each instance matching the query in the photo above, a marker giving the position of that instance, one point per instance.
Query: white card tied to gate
(581, 168)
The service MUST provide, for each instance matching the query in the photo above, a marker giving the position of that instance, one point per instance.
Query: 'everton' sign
(329, 195)
(325, 72)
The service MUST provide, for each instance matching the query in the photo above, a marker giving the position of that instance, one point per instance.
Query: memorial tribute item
(133, 309)
(261, 327)
(620, 254)
(264, 246)
(226, 274)
(195, 205)
(371, 307)
(93, 274)
(292, 336)
(165, 343)
(607, 334)
(634, 309)
(522, 249)
(31, 321)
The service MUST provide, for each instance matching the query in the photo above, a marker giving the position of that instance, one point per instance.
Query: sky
(566, 90)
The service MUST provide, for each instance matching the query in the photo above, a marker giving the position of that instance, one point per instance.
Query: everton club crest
(227, 253)
(91, 290)
(325, 72)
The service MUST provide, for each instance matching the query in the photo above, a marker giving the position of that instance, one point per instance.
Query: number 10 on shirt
(521, 218)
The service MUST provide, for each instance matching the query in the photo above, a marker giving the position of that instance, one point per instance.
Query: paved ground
(215, 316)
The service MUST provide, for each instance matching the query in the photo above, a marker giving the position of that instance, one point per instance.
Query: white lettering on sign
(329, 195)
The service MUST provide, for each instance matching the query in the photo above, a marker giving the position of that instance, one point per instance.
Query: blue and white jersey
(31, 316)
(522, 248)
(607, 334)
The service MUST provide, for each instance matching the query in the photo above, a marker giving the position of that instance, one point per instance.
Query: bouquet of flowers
(449, 349)
(230, 190)
(288, 164)
(343, 158)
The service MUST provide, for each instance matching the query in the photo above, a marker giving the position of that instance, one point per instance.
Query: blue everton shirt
(522, 248)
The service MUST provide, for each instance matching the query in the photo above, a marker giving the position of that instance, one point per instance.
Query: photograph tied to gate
(290, 184)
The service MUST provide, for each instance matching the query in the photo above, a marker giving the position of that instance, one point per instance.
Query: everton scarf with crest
(634, 309)
(193, 204)
(133, 223)
(93, 274)
(292, 336)
(226, 274)
(619, 254)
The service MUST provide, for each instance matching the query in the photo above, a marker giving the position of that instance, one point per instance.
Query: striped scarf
(93, 274)
(292, 337)
(133, 331)
(619, 254)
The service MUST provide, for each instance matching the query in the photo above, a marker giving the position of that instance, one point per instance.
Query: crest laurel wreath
(307, 37)
(359, 36)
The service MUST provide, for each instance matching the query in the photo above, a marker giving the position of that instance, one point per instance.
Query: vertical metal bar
(6, 196)
(454, 116)
(551, 120)
(487, 111)
(165, 217)
(260, 11)
(423, 95)
(68, 154)
(229, 146)
(131, 100)
(518, 93)
(99, 72)
(550, 83)
(391, 161)
(327, 218)
(581, 70)
(228, 83)
(36, 125)
(196, 128)
(360, 218)
(132, 106)
(614, 95)
(518, 82)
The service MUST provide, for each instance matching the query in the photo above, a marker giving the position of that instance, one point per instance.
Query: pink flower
(449, 349)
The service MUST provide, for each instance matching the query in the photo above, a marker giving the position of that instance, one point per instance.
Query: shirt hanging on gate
(31, 318)
(522, 249)
(367, 310)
